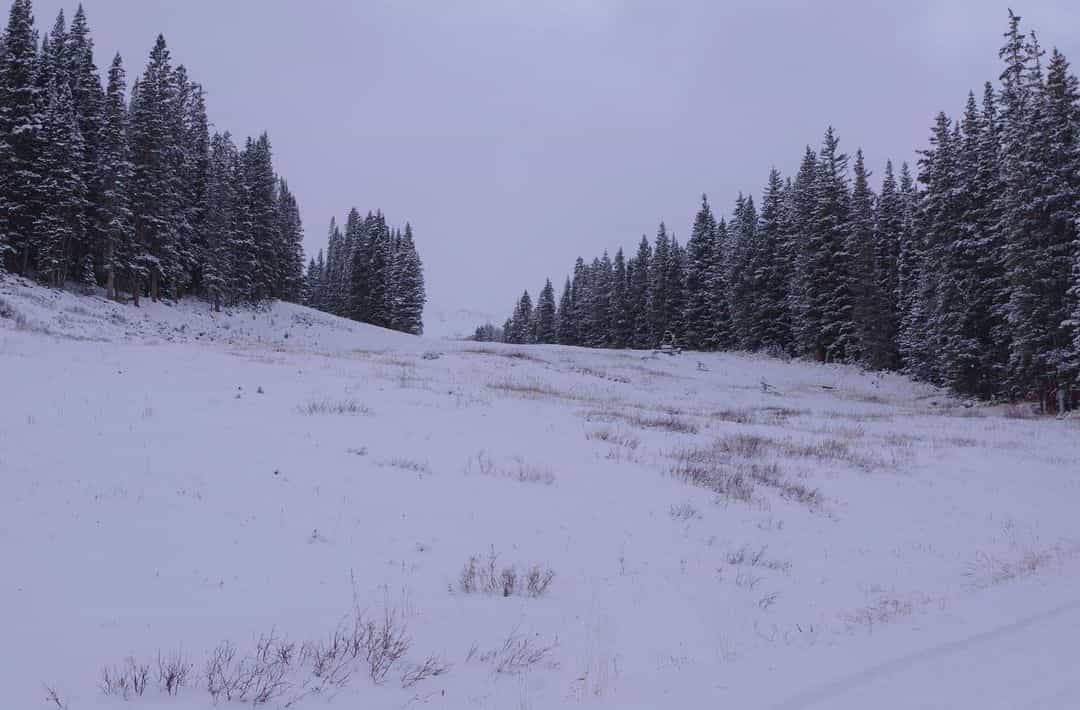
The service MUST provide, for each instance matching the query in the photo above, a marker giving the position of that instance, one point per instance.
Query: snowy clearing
(522, 526)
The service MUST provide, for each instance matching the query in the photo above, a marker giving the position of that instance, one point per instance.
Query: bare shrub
(406, 464)
(128, 680)
(883, 611)
(532, 473)
(173, 672)
(519, 469)
(684, 512)
(488, 578)
(517, 654)
(614, 437)
(258, 678)
(52, 697)
(386, 643)
(325, 406)
(745, 556)
(414, 673)
(537, 581)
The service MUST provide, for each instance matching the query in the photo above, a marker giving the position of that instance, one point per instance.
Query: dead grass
(487, 576)
(407, 464)
(529, 388)
(509, 354)
(670, 421)
(517, 469)
(326, 406)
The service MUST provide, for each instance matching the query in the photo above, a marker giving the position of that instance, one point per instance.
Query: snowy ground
(173, 479)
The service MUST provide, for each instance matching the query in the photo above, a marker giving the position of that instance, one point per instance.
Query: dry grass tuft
(326, 406)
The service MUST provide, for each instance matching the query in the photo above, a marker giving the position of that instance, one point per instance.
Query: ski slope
(724, 530)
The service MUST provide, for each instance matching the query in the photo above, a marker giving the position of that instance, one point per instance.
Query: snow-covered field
(724, 531)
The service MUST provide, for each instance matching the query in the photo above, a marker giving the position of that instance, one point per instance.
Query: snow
(174, 478)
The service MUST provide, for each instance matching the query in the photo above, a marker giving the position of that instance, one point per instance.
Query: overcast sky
(516, 135)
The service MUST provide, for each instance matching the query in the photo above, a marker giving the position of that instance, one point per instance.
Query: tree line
(369, 273)
(133, 193)
(966, 274)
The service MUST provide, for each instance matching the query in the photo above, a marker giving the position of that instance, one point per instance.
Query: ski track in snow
(986, 643)
(173, 478)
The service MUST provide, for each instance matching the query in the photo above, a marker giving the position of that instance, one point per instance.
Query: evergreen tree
(113, 175)
(409, 294)
(862, 332)
(61, 222)
(641, 296)
(699, 261)
(20, 121)
(565, 327)
(545, 315)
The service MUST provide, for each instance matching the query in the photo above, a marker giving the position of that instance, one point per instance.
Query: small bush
(414, 673)
(488, 578)
(516, 655)
(127, 680)
(684, 512)
(173, 673)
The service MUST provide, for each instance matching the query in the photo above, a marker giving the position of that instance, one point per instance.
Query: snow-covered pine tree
(771, 327)
(741, 273)
(261, 203)
(827, 306)
(659, 268)
(545, 314)
(800, 222)
(722, 334)
(20, 120)
(409, 293)
(156, 195)
(862, 332)
(699, 259)
(621, 314)
(113, 174)
(641, 294)
(88, 105)
(565, 327)
(888, 236)
(290, 247)
(61, 222)
(359, 248)
(380, 274)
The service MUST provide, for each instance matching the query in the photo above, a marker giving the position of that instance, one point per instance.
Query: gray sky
(516, 135)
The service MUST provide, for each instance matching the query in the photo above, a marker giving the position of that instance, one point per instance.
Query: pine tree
(659, 270)
(409, 296)
(862, 333)
(261, 202)
(545, 315)
(622, 317)
(290, 247)
(641, 295)
(565, 327)
(888, 237)
(771, 327)
(722, 336)
(88, 103)
(113, 175)
(699, 260)
(20, 119)
(155, 190)
(61, 223)
(800, 225)
(827, 306)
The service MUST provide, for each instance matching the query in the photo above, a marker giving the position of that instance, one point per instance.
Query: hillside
(707, 530)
